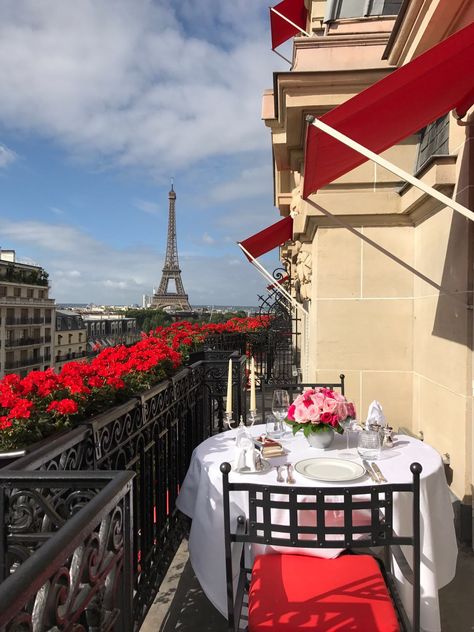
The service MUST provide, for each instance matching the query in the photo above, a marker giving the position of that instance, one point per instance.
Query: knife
(370, 471)
(378, 471)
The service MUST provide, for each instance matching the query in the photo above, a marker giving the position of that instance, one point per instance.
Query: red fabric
(289, 593)
(269, 238)
(282, 30)
(390, 110)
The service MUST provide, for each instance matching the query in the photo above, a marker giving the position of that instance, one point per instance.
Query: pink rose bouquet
(318, 409)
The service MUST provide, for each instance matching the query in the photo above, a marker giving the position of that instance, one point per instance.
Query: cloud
(97, 272)
(56, 210)
(7, 156)
(250, 183)
(207, 239)
(150, 208)
(135, 83)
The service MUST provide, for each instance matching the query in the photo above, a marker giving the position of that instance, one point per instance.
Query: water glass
(369, 444)
(275, 427)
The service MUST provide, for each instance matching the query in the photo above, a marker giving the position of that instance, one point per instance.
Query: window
(17, 292)
(362, 8)
(29, 293)
(80, 337)
(434, 139)
(3, 290)
(70, 338)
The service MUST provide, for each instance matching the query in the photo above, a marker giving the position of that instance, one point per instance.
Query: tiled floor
(181, 604)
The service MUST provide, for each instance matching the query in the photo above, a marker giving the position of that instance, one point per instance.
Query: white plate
(330, 470)
(267, 466)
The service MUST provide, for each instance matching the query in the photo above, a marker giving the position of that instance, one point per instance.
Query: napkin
(245, 455)
(375, 414)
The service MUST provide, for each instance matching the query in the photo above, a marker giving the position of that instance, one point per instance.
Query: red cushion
(298, 592)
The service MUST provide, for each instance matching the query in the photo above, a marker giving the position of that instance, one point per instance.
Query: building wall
(392, 307)
(27, 320)
(71, 339)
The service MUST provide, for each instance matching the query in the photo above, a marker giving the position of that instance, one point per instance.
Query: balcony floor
(182, 605)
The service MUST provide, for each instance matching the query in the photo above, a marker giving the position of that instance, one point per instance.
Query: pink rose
(342, 411)
(291, 412)
(330, 405)
(301, 413)
(351, 412)
(326, 418)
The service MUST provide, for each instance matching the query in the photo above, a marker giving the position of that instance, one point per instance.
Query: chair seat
(289, 593)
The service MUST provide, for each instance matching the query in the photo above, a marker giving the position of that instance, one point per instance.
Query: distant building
(70, 338)
(147, 301)
(27, 317)
(108, 330)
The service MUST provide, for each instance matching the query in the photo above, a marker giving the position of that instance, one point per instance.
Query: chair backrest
(266, 391)
(308, 511)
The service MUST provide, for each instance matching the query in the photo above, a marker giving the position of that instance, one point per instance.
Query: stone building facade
(71, 338)
(27, 317)
(384, 270)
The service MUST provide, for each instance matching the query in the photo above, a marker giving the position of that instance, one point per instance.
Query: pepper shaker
(388, 437)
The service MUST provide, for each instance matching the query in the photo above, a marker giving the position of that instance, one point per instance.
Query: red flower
(21, 410)
(5, 423)
(63, 407)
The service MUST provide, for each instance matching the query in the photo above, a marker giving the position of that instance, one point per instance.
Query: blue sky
(102, 102)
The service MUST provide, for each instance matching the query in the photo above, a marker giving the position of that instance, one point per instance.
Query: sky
(102, 103)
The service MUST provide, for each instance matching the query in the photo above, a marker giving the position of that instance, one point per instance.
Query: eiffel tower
(171, 270)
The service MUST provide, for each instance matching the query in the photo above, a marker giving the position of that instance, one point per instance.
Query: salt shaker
(388, 437)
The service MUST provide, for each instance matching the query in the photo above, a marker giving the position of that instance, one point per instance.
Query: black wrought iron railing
(66, 553)
(152, 436)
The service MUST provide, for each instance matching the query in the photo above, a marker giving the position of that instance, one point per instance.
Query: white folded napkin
(245, 455)
(375, 414)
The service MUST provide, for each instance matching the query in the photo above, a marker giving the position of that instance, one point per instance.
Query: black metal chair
(362, 578)
(294, 389)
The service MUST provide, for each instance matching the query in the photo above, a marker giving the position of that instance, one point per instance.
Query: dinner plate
(330, 470)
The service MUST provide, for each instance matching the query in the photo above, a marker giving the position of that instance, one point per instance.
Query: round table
(200, 498)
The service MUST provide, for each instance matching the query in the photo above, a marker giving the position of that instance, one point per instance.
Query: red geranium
(64, 406)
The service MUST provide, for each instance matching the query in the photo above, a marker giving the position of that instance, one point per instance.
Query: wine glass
(280, 405)
(347, 425)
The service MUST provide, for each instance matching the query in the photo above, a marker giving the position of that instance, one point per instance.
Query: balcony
(170, 420)
(28, 342)
(12, 322)
(71, 356)
(79, 487)
(21, 300)
(27, 362)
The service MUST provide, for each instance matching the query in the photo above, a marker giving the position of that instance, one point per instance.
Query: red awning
(282, 30)
(440, 80)
(269, 238)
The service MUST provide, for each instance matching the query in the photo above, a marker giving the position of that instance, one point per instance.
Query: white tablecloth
(201, 499)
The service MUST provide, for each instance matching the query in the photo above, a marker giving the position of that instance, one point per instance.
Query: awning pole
(283, 17)
(282, 56)
(386, 164)
(268, 276)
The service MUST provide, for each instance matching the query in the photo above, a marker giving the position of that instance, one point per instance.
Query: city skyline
(86, 154)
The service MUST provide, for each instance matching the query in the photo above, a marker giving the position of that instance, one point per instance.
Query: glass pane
(433, 140)
(385, 7)
(350, 8)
